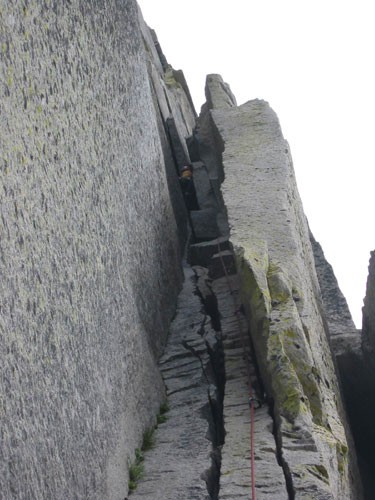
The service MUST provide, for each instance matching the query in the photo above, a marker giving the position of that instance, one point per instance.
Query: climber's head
(186, 171)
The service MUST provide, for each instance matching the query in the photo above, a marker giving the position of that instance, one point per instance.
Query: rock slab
(235, 476)
(280, 293)
(368, 323)
(178, 467)
(90, 254)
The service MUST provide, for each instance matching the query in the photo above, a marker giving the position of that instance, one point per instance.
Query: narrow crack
(260, 389)
(279, 454)
(214, 373)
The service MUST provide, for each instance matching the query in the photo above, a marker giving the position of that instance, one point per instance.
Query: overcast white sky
(313, 61)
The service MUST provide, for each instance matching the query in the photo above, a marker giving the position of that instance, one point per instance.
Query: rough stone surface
(205, 224)
(222, 263)
(343, 334)
(93, 131)
(209, 196)
(368, 323)
(210, 145)
(361, 388)
(176, 119)
(180, 78)
(345, 341)
(172, 99)
(175, 193)
(89, 247)
(218, 93)
(201, 253)
(178, 147)
(205, 193)
(178, 466)
(235, 477)
(281, 298)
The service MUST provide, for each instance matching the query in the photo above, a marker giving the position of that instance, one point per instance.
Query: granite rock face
(368, 323)
(95, 128)
(345, 342)
(90, 249)
(179, 464)
(362, 387)
(343, 334)
(281, 296)
(354, 353)
(235, 472)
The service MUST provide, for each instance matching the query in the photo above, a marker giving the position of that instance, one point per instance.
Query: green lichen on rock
(289, 371)
(253, 264)
(10, 76)
(342, 456)
(320, 472)
(279, 284)
(281, 297)
(278, 335)
(170, 79)
(285, 382)
(294, 346)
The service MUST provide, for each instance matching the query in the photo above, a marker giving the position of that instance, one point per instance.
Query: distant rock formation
(368, 326)
(363, 388)
(344, 336)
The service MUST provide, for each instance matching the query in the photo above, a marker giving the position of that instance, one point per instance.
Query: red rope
(251, 400)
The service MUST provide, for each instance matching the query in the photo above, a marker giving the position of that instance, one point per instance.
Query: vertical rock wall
(89, 247)
(343, 334)
(282, 299)
(93, 226)
(362, 377)
(368, 323)
(345, 341)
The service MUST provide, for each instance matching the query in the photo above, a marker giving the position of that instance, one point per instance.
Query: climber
(188, 188)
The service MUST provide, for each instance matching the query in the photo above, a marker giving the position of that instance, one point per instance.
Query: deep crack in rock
(189, 440)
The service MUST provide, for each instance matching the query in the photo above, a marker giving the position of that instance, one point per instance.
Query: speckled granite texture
(89, 256)
(281, 296)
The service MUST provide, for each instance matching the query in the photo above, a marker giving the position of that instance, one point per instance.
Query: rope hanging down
(252, 400)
